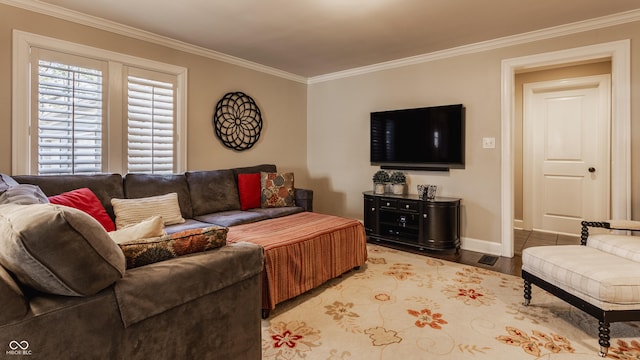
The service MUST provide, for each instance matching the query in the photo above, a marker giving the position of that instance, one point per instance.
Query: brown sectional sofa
(204, 305)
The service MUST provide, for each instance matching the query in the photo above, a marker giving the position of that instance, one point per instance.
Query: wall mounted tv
(429, 138)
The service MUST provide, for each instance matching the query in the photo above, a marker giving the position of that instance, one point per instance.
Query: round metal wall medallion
(237, 121)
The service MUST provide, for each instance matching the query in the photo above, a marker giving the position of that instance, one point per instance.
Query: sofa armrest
(154, 288)
(304, 198)
(625, 225)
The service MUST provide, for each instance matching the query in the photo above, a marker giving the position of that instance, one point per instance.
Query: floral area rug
(408, 306)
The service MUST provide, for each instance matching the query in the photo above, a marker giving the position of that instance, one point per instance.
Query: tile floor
(523, 239)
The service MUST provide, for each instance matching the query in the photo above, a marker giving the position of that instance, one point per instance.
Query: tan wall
(281, 101)
(338, 125)
(322, 132)
(598, 68)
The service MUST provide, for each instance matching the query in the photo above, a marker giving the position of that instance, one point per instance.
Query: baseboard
(518, 224)
(481, 246)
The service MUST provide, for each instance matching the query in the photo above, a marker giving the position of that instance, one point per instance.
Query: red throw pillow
(249, 190)
(85, 200)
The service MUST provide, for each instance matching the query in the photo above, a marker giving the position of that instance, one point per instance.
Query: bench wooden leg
(527, 293)
(604, 330)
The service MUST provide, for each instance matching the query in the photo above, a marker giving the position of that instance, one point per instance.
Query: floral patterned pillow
(276, 189)
(146, 251)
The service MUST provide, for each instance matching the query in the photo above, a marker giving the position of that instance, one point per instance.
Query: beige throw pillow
(133, 211)
(151, 227)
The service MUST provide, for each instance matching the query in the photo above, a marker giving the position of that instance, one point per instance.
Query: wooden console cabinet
(409, 220)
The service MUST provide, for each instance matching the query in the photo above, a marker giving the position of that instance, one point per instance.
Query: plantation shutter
(150, 123)
(69, 115)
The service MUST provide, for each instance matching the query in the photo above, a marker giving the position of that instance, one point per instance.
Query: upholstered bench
(602, 278)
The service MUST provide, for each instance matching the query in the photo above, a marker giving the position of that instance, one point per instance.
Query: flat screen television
(429, 138)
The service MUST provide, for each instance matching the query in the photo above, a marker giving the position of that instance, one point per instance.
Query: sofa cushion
(12, 300)
(186, 225)
(58, 249)
(148, 185)
(213, 191)
(151, 227)
(146, 251)
(627, 247)
(276, 212)
(277, 189)
(104, 186)
(84, 199)
(602, 279)
(231, 218)
(249, 191)
(133, 211)
(23, 194)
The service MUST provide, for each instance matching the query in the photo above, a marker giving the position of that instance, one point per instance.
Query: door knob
(592, 169)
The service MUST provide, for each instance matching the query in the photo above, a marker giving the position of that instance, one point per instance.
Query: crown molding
(111, 26)
(117, 28)
(543, 34)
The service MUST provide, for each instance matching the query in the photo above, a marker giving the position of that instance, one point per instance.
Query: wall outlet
(488, 143)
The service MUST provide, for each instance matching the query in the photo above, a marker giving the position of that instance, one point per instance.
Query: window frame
(115, 143)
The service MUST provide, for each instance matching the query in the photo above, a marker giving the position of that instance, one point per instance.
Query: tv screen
(422, 138)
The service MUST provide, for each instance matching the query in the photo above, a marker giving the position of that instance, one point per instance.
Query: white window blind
(70, 125)
(150, 125)
(91, 110)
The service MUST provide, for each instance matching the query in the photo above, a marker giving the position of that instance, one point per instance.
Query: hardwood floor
(513, 266)
(504, 265)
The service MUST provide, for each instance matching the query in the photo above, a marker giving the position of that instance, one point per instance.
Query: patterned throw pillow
(133, 211)
(277, 189)
(146, 251)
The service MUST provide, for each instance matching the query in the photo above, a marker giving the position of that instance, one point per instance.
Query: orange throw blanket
(303, 251)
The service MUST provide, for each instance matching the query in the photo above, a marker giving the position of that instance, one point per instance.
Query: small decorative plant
(398, 177)
(381, 177)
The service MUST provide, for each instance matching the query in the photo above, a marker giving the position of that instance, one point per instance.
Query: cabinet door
(370, 215)
(441, 225)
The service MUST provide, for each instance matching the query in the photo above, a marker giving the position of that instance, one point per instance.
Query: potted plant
(398, 179)
(380, 179)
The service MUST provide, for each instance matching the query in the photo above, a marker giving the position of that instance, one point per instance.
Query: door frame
(619, 52)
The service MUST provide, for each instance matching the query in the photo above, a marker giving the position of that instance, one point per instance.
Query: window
(93, 111)
(149, 125)
(69, 116)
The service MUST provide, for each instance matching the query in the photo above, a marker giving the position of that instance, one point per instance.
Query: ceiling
(316, 37)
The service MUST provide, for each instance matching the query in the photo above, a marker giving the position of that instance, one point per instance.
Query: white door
(566, 169)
